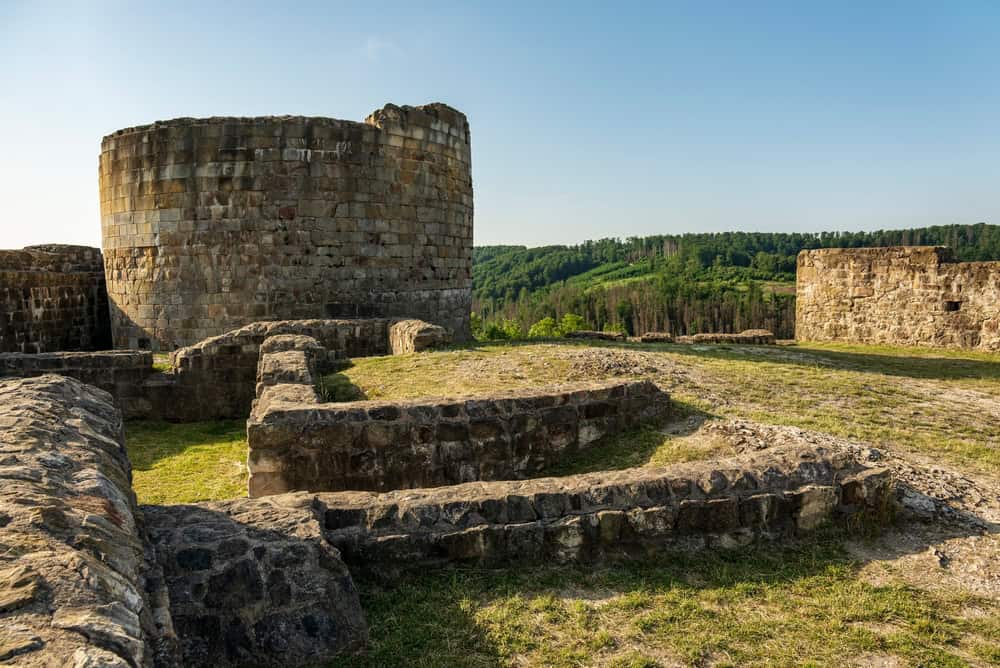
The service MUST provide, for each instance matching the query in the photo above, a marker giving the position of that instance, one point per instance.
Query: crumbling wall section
(53, 298)
(901, 296)
(216, 378)
(253, 584)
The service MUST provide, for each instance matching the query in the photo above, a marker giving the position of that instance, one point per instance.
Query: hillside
(683, 284)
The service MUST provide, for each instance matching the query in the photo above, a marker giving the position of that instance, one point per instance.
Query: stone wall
(70, 551)
(209, 224)
(89, 579)
(216, 378)
(297, 443)
(253, 584)
(903, 296)
(122, 373)
(630, 513)
(756, 337)
(53, 298)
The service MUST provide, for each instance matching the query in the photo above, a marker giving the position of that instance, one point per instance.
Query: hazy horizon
(588, 120)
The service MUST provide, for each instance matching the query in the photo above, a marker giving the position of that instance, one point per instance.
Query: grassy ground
(181, 463)
(804, 605)
(940, 403)
(809, 604)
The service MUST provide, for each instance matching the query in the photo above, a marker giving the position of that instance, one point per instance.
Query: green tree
(571, 322)
(545, 328)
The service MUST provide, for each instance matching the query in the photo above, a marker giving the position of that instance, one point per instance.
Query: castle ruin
(914, 296)
(265, 253)
(211, 224)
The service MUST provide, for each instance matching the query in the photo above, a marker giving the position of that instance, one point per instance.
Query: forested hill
(679, 283)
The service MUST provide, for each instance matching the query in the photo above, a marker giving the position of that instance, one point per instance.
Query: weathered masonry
(88, 578)
(903, 295)
(210, 224)
(298, 443)
(52, 298)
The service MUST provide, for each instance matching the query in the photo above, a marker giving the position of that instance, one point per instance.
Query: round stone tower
(209, 224)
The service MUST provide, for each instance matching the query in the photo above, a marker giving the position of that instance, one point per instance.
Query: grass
(940, 403)
(161, 362)
(183, 463)
(804, 605)
(338, 387)
(808, 604)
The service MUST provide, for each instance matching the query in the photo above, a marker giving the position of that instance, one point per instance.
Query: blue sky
(588, 119)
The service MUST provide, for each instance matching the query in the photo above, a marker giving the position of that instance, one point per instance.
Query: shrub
(544, 329)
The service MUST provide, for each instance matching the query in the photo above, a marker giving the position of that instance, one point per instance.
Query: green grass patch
(183, 463)
(161, 362)
(803, 605)
(937, 402)
(338, 387)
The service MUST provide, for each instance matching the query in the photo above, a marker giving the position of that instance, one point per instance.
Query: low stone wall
(656, 337)
(215, 379)
(253, 584)
(53, 298)
(70, 552)
(297, 443)
(746, 337)
(595, 336)
(631, 513)
(122, 373)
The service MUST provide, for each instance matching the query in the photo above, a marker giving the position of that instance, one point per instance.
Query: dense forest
(682, 284)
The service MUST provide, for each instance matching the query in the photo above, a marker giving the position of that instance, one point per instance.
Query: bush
(544, 329)
(504, 330)
(571, 322)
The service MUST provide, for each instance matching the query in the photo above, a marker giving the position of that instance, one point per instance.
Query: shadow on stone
(249, 583)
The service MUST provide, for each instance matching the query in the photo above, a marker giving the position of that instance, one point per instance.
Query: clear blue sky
(588, 120)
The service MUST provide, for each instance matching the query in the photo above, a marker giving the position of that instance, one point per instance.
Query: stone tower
(209, 224)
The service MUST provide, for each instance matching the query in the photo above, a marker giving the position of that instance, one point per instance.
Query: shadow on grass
(924, 363)
(636, 447)
(152, 441)
(784, 605)
(338, 387)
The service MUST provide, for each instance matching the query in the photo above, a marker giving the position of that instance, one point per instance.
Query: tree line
(681, 284)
